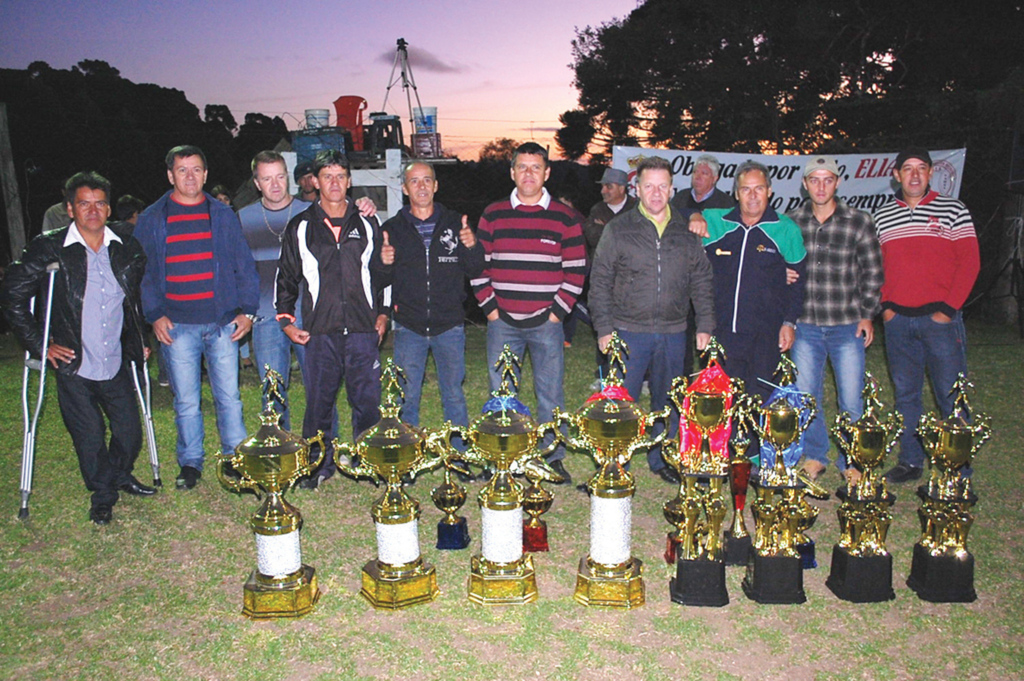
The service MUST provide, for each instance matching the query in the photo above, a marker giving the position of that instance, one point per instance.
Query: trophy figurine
(737, 540)
(781, 513)
(452, 530)
(504, 438)
(702, 461)
(861, 565)
(272, 460)
(611, 427)
(388, 450)
(942, 570)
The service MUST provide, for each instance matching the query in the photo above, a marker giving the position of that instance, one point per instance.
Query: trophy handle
(983, 427)
(553, 427)
(362, 470)
(653, 418)
(313, 465)
(234, 484)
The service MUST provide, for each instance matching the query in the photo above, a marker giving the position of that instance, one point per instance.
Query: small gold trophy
(702, 454)
(449, 497)
(399, 577)
(611, 427)
(737, 541)
(861, 566)
(536, 502)
(781, 512)
(942, 570)
(504, 439)
(272, 460)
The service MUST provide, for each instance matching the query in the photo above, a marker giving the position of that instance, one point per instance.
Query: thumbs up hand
(466, 235)
(387, 252)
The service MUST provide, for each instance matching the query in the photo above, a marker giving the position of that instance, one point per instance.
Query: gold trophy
(942, 570)
(781, 512)
(611, 427)
(398, 577)
(702, 454)
(449, 497)
(503, 439)
(536, 502)
(272, 460)
(737, 541)
(861, 565)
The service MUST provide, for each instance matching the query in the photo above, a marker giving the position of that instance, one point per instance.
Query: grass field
(157, 594)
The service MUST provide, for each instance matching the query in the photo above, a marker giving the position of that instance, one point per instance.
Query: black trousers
(83, 405)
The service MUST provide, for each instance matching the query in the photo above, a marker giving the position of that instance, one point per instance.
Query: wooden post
(9, 183)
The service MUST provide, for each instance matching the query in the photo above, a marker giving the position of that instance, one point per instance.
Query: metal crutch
(28, 449)
(146, 405)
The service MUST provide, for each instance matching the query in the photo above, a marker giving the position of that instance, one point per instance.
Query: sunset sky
(492, 69)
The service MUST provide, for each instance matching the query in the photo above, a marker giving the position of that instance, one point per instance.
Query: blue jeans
(913, 345)
(662, 355)
(449, 350)
(272, 347)
(545, 345)
(190, 343)
(814, 345)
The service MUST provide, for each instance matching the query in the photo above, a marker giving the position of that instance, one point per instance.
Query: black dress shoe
(668, 475)
(101, 514)
(903, 472)
(136, 488)
(559, 468)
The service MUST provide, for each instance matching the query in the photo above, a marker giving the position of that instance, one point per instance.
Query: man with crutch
(95, 335)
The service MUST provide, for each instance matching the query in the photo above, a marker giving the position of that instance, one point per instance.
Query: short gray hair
(750, 166)
(711, 162)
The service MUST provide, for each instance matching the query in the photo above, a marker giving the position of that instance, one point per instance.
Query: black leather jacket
(28, 276)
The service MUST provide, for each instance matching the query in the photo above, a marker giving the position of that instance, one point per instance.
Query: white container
(425, 120)
(318, 118)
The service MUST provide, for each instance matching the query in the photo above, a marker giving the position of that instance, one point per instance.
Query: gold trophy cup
(503, 439)
(942, 570)
(398, 577)
(272, 460)
(611, 427)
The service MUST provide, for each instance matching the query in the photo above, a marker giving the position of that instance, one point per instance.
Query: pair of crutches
(28, 450)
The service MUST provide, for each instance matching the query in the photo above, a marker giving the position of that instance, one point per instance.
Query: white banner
(866, 183)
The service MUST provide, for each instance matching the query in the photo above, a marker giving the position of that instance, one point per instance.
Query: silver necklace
(279, 235)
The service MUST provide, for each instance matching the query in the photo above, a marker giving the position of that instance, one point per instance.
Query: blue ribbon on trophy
(803, 404)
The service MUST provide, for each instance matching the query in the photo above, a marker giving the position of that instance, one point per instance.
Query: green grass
(157, 594)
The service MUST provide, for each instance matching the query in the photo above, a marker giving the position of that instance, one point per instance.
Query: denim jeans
(913, 345)
(662, 355)
(190, 343)
(449, 350)
(272, 347)
(814, 345)
(545, 345)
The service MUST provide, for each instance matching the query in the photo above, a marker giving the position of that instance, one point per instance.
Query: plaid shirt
(844, 266)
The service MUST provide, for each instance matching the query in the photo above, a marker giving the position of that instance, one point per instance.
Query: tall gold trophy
(942, 570)
(737, 542)
(503, 439)
(272, 460)
(780, 509)
(398, 577)
(611, 427)
(701, 458)
(861, 565)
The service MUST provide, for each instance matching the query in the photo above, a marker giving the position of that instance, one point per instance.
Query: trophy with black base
(272, 460)
(861, 565)
(702, 461)
(781, 512)
(942, 570)
(611, 427)
(503, 439)
(449, 497)
(389, 450)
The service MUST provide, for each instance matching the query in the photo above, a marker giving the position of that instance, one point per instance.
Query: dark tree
(574, 137)
(498, 149)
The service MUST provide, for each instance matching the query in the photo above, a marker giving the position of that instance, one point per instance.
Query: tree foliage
(796, 76)
(498, 149)
(575, 135)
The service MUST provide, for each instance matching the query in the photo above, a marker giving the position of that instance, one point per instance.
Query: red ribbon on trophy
(711, 380)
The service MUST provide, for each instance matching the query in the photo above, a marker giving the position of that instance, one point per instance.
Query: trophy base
(610, 586)
(535, 539)
(806, 551)
(736, 549)
(699, 582)
(502, 584)
(391, 592)
(942, 579)
(291, 596)
(774, 579)
(860, 579)
(452, 537)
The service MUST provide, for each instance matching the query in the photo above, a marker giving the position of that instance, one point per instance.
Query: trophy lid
(391, 445)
